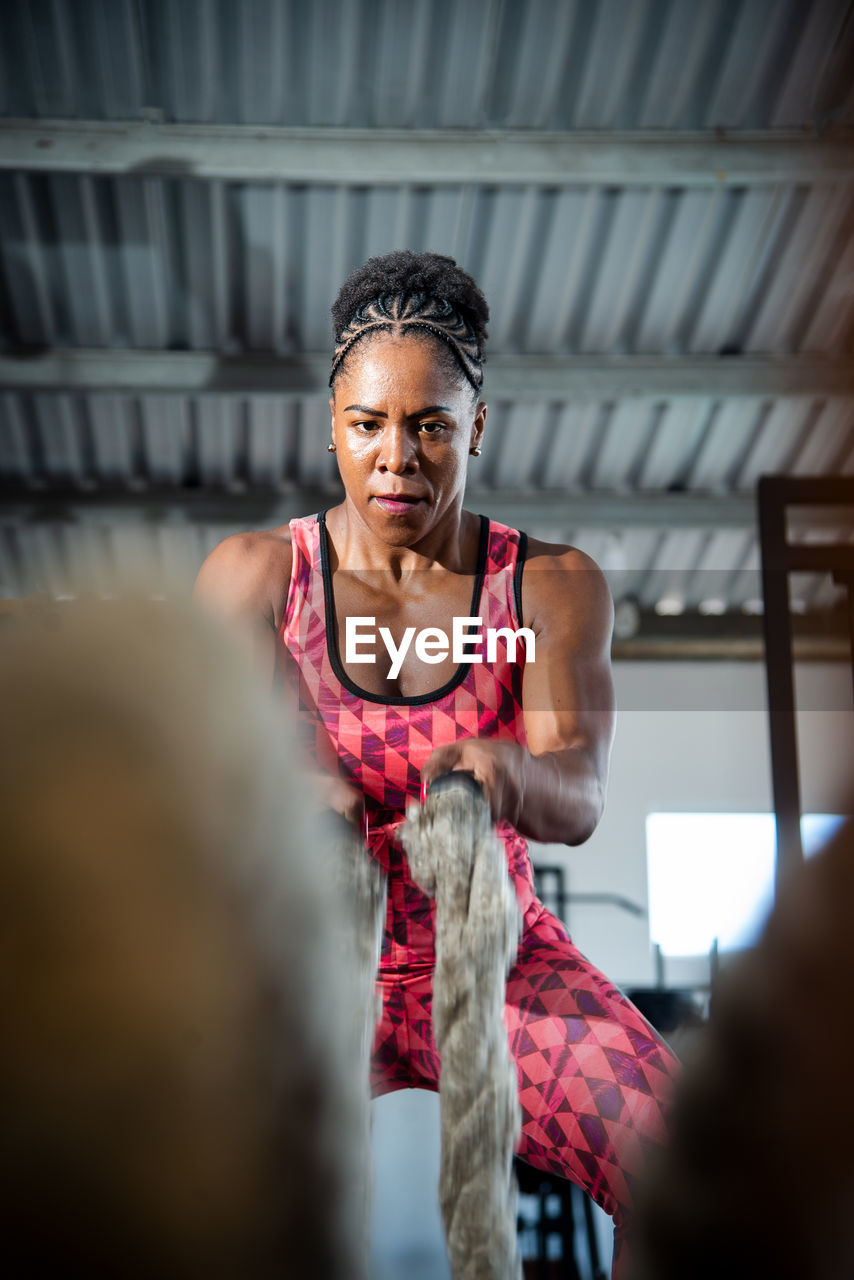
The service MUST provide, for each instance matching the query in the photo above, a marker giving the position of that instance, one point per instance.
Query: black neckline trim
(332, 640)
(517, 575)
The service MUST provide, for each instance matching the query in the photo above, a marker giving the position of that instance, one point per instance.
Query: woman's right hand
(331, 792)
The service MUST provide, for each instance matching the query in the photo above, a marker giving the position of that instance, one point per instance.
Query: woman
(535, 729)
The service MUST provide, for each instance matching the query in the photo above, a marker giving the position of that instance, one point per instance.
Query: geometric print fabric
(378, 747)
(594, 1079)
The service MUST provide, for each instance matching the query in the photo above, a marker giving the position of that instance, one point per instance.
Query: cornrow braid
(402, 311)
(405, 291)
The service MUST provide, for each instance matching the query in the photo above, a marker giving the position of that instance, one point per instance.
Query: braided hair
(426, 294)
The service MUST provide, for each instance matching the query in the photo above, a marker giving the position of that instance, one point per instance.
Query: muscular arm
(568, 697)
(235, 584)
(554, 790)
(241, 582)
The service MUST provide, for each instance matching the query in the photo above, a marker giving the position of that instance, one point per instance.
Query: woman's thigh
(594, 1078)
(404, 1050)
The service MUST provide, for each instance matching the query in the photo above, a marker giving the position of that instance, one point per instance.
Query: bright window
(711, 876)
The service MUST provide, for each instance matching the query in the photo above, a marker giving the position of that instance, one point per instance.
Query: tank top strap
(303, 618)
(305, 542)
(305, 539)
(504, 565)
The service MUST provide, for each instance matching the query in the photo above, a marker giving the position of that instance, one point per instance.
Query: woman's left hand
(499, 767)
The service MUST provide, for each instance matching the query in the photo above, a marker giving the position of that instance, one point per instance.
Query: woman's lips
(396, 504)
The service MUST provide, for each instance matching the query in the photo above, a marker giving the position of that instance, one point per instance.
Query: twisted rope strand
(456, 858)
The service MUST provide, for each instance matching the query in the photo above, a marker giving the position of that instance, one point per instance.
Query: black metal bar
(550, 883)
(566, 1230)
(592, 1242)
(828, 557)
(610, 900)
(846, 580)
(773, 496)
(715, 957)
(779, 559)
(807, 491)
(550, 880)
(542, 1236)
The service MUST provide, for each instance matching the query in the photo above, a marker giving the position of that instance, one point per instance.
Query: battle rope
(455, 858)
(359, 885)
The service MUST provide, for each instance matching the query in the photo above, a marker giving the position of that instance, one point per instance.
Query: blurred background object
(174, 1090)
(758, 1181)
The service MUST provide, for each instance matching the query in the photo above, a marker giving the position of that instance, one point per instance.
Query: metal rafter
(395, 156)
(508, 377)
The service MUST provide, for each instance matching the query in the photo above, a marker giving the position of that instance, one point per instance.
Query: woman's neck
(451, 545)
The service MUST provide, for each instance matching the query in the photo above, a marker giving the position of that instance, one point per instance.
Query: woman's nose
(399, 452)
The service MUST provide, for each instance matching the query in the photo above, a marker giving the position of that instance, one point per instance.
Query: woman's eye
(432, 428)
(366, 426)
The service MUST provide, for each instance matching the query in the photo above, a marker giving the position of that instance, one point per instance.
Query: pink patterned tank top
(378, 745)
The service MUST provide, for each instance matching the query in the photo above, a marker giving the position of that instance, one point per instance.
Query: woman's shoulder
(563, 582)
(262, 550)
(541, 555)
(247, 574)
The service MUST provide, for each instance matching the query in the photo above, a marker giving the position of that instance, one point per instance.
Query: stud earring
(330, 448)
(476, 451)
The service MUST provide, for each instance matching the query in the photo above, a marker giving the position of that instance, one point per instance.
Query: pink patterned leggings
(594, 1078)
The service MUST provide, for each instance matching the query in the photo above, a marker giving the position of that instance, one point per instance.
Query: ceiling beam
(817, 637)
(507, 377)
(271, 508)
(697, 646)
(401, 156)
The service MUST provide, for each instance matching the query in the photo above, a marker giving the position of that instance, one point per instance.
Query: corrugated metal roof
(176, 263)
(171, 263)
(546, 64)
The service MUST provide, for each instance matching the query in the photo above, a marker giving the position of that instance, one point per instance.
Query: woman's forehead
(394, 365)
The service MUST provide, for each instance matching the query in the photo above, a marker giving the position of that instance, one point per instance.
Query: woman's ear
(332, 417)
(478, 424)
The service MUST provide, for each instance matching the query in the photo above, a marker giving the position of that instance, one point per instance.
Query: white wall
(407, 1238)
(693, 737)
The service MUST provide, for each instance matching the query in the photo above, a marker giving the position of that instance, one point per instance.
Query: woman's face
(403, 424)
